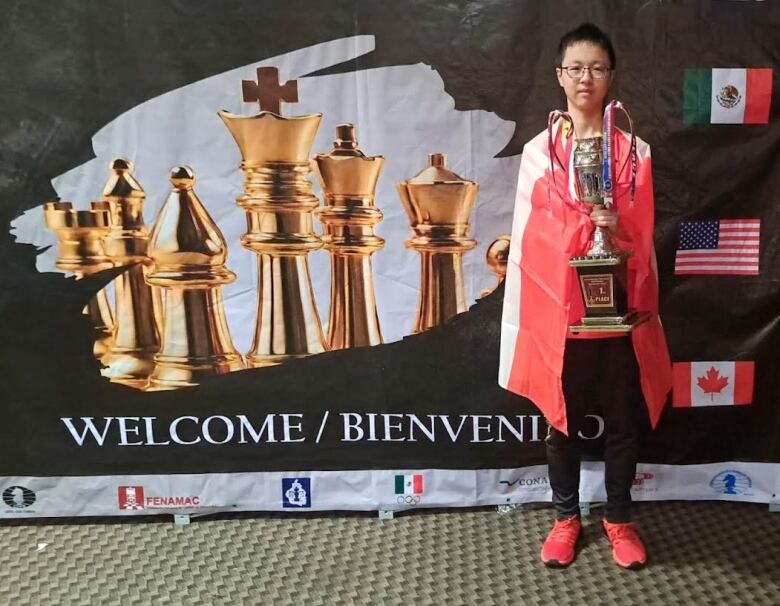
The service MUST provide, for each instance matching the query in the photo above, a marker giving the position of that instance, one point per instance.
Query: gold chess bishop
(189, 255)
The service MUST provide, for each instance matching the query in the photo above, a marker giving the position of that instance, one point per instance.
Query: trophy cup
(279, 205)
(438, 203)
(130, 359)
(189, 254)
(348, 179)
(80, 236)
(602, 272)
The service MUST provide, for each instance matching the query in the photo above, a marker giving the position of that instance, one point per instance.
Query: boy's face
(585, 93)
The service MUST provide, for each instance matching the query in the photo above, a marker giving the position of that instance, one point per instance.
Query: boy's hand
(604, 218)
(609, 220)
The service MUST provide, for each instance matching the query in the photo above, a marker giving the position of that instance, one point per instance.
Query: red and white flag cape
(540, 300)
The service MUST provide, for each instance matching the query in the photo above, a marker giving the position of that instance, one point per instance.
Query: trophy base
(600, 260)
(617, 324)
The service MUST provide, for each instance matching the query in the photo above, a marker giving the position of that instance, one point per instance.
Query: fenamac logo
(132, 497)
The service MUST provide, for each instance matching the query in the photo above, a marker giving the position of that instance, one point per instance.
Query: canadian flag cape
(541, 297)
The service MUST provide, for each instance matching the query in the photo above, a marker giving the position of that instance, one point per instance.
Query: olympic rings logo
(408, 499)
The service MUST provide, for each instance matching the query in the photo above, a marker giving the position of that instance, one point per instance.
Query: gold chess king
(167, 327)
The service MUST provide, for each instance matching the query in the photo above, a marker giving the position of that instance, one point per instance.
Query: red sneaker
(558, 549)
(627, 548)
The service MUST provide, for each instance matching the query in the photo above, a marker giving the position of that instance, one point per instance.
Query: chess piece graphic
(130, 359)
(496, 257)
(189, 254)
(348, 179)
(80, 251)
(438, 203)
(279, 203)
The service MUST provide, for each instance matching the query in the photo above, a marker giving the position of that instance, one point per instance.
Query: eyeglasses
(597, 72)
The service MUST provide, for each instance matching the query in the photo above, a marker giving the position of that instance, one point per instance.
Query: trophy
(80, 236)
(189, 254)
(602, 272)
(348, 179)
(438, 203)
(279, 205)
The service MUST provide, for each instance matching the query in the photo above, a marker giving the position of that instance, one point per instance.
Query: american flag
(726, 247)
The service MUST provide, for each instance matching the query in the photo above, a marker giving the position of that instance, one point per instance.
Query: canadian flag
(712, 383)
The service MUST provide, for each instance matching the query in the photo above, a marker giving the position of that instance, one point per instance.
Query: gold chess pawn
(348, 179)
(80, 236)
(279, 203)
(497, 256)
(189, 254)
(438, 203)
(130, 359)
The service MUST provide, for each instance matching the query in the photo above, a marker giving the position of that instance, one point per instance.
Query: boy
(622, 378)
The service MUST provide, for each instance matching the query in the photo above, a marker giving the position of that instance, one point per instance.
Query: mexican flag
(727, 96)
(712, 383)
(412, 484)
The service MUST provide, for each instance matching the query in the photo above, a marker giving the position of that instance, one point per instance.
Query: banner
(253, 265)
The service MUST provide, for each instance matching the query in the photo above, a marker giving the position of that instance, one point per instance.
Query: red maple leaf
(712, 382)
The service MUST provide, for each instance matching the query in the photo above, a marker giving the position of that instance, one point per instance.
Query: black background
(69, 67)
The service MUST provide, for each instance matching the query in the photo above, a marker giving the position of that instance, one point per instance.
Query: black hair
(587, 32)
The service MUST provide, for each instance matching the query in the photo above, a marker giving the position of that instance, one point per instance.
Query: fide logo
(18, 497)
(296, 492)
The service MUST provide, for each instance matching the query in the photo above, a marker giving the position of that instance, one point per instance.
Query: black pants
(600, 377)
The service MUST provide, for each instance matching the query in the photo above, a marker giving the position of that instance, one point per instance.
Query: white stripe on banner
(364, 490)
(726, 108)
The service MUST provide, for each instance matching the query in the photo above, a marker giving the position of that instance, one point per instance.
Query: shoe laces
(565, 531)
(619, 533)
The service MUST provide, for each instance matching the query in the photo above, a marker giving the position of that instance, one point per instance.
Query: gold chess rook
(438, 204)
(80, 236)
(189, 254)
(130, 359)
(348, 179)
(279, 203)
